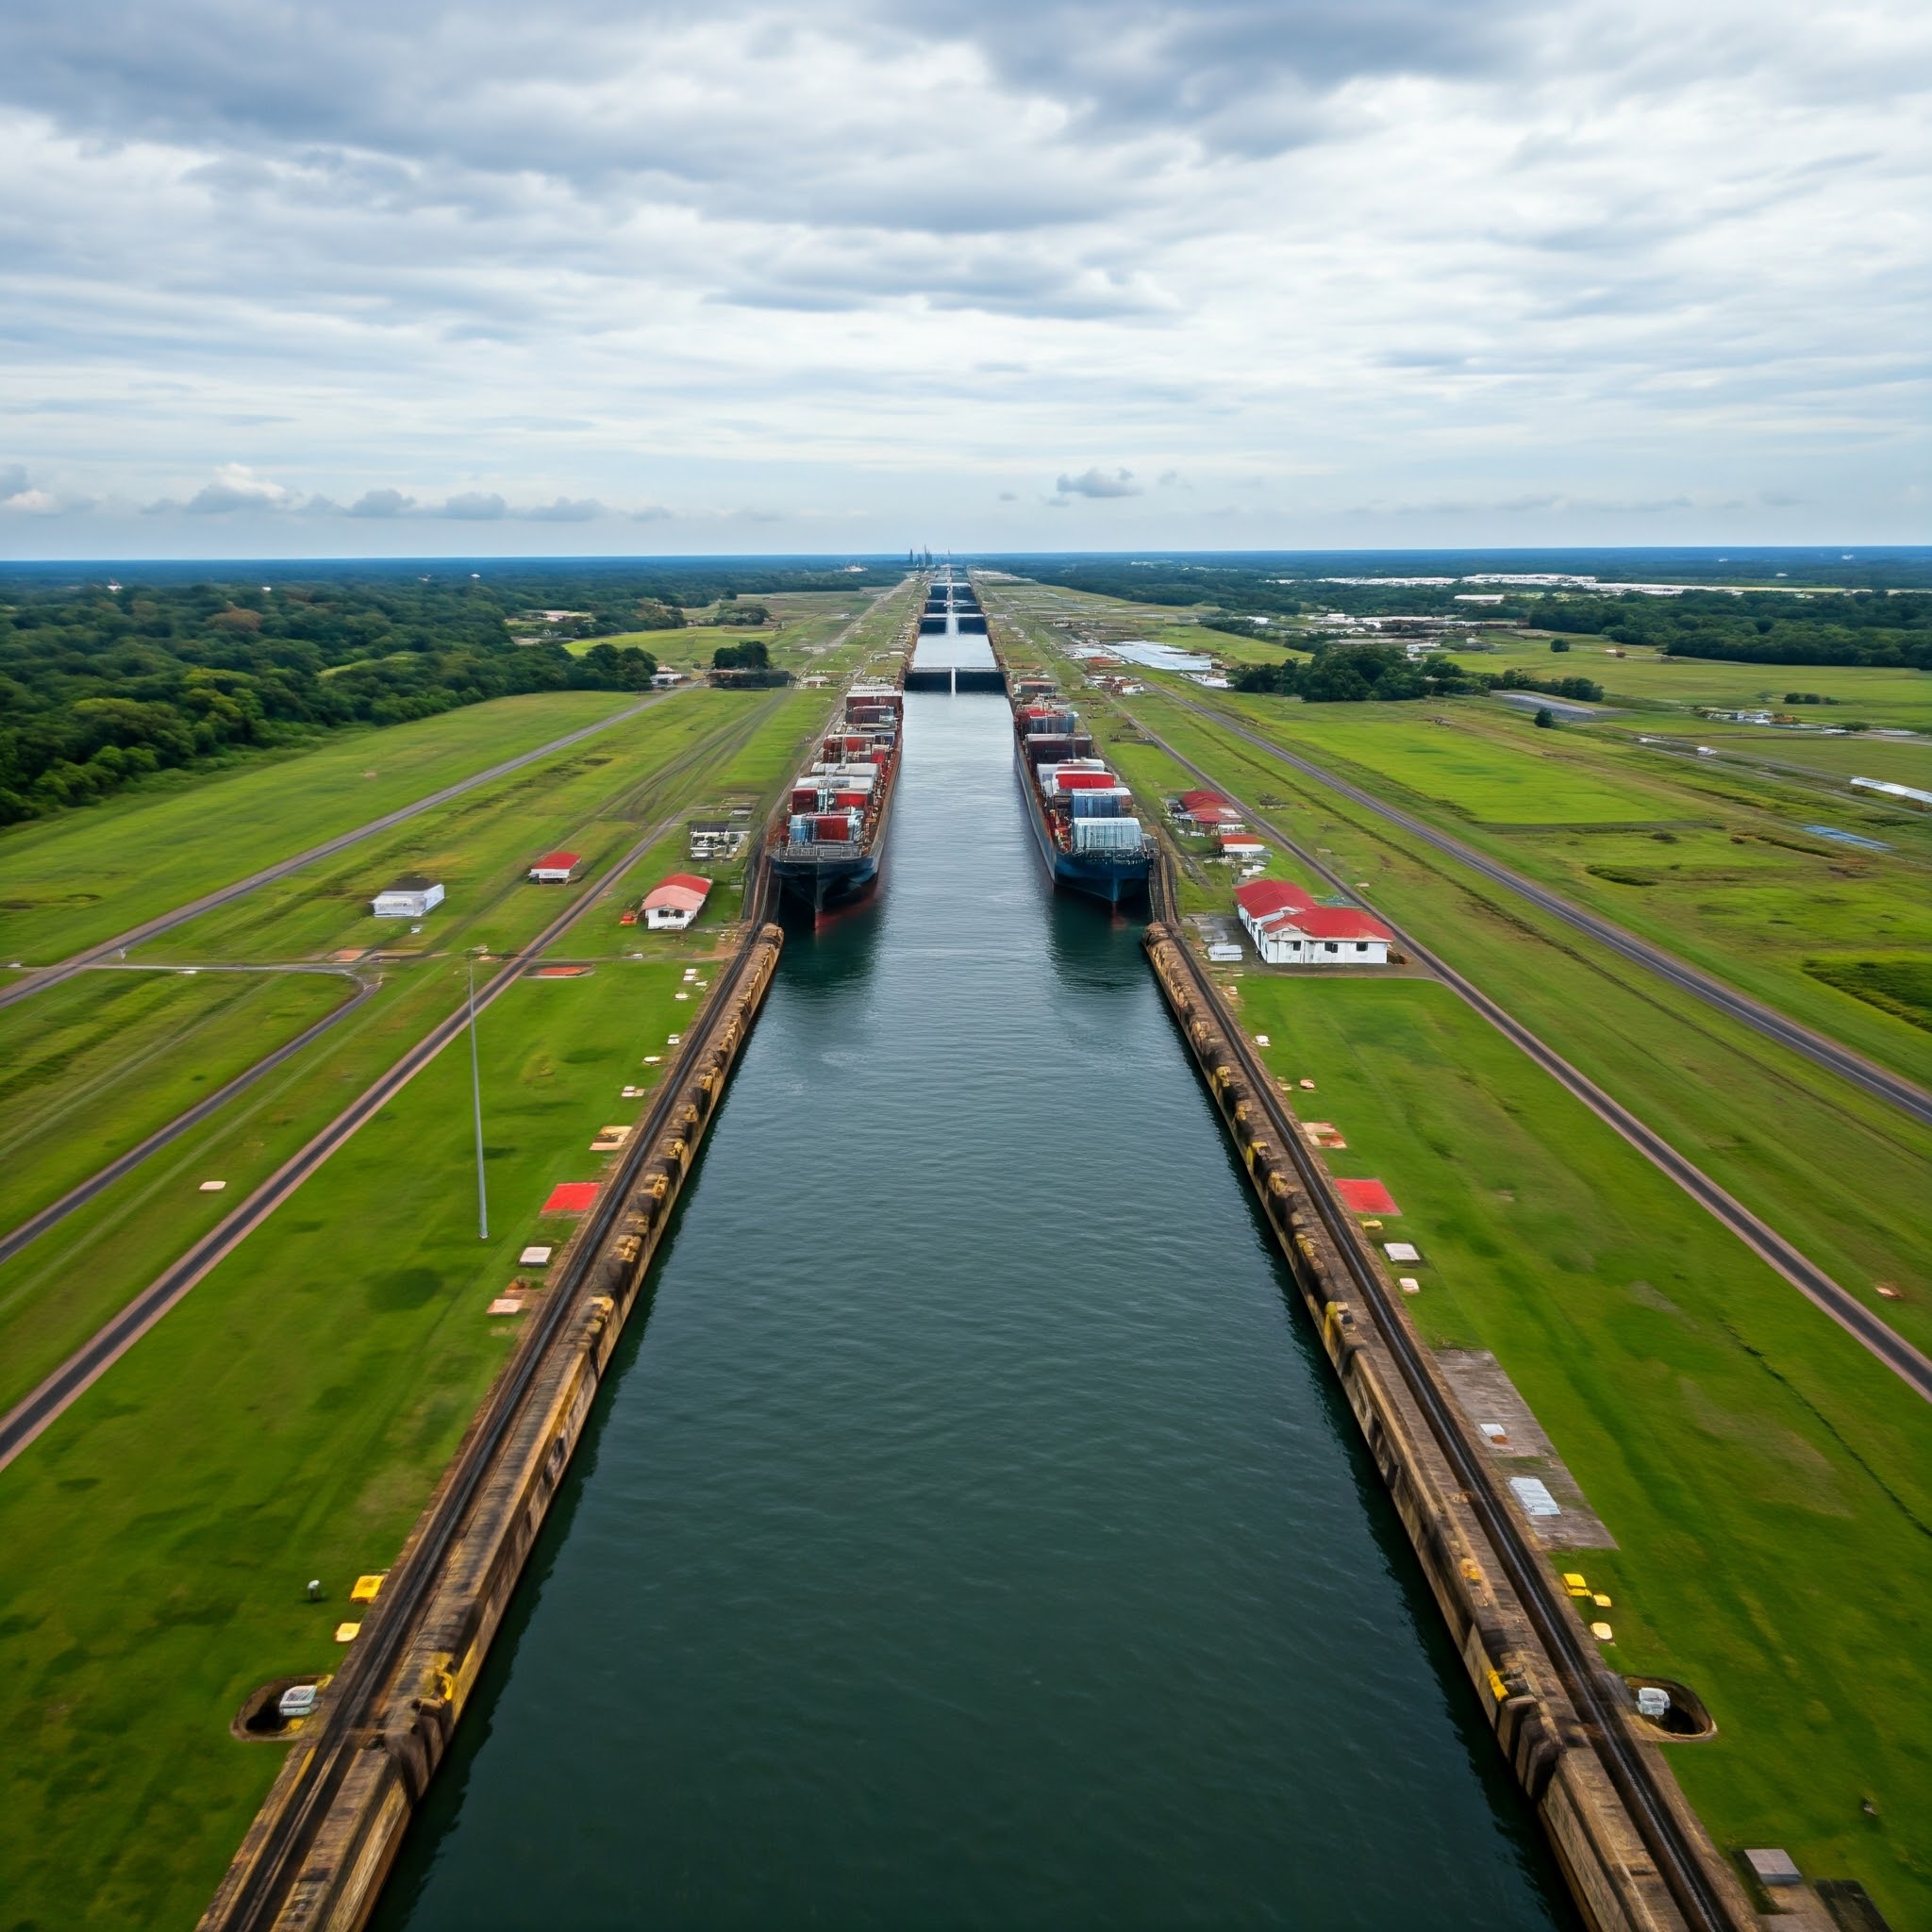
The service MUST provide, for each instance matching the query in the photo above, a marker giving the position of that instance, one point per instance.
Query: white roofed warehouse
(409, 897)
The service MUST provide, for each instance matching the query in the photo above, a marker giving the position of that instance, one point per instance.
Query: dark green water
(969, 1536)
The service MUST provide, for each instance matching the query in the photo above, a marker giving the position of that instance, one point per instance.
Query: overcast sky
(385, 276)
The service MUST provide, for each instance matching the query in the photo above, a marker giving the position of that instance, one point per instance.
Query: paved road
(31, 1229)
(38, 980)
(1878, 1080)
(1811, 1281)
(37, 1411)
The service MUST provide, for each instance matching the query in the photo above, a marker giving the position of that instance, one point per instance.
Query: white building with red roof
(672, 906)
(1290, 929)
(555, 868)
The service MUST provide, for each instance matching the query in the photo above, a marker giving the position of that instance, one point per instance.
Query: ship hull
(824, 885)
(1113, 883)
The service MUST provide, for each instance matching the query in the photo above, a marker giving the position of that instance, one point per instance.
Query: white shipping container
(1107, 835)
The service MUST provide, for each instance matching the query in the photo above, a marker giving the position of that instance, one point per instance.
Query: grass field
(89, 1068)
(57, 1292)
(1494, 782)
(1864, 694)
(1752, 1114)
(1727, 877)
(1768, 1485)
(74, 880)
(594, 799)
(288, 1421)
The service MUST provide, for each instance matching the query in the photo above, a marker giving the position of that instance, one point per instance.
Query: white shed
(409, 897)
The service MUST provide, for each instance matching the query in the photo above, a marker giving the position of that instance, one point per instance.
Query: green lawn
(1726, 877)
(1752, 1114)
(288, 1421)
(71, 881)
(93, 1066)
(1865, 695)
(594, 799)
(1768, 1485)
(1530, 778)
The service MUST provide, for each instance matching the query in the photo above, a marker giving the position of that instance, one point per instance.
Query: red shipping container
(804, 798)
(830, 826)
(1088, 781)
(857, 798)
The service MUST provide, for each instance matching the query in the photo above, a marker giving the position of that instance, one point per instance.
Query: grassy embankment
(74, 880)
(1716, 867)
(1769, 1484)
(91, 1067)
(289, 1419)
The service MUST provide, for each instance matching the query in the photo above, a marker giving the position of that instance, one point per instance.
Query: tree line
(1349, 674)
(100, 685)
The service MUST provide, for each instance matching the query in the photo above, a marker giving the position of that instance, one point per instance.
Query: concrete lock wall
(337, 1814)
(1554, 1752)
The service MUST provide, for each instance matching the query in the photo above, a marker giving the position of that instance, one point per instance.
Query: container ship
(1081, 814)
(826, 847)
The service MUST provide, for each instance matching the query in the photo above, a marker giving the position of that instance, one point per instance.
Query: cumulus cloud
(380, 503)
(582, 510)
(475, 507)
(1095, 482)
(1402, 255)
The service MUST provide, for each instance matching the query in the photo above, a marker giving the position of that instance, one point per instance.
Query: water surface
(969, 1535)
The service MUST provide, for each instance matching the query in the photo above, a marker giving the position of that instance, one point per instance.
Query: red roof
(555, 861)
(1268, 896)
(1339, 923)
(683, 891)
(1194, 801)
(1366, 1197)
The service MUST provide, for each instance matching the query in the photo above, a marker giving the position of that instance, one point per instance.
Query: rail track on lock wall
(1598, 1696)
(365, 1683)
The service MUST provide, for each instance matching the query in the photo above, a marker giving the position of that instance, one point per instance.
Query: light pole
(476, 1098)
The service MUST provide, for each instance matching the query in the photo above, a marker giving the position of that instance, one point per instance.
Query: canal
(969, 1535)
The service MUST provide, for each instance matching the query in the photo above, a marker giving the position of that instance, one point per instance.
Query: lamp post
(476, 1098)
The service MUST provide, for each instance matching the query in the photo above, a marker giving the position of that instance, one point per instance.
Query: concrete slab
(1521, 1448)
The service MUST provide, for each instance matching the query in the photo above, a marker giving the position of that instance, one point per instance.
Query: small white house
(409, 897)
(672, 906)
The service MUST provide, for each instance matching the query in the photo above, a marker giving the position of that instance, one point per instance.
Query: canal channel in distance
(970, 1534)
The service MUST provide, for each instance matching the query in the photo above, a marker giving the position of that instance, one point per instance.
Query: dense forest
(1355, 674)
(1851, 626)
(101, 683)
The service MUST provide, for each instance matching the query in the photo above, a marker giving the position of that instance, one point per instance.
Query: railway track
(79, 1195)
(364, 1685)
(1599, 1698)
(1880, 1081)
(43, 977)
(1870, 1331)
